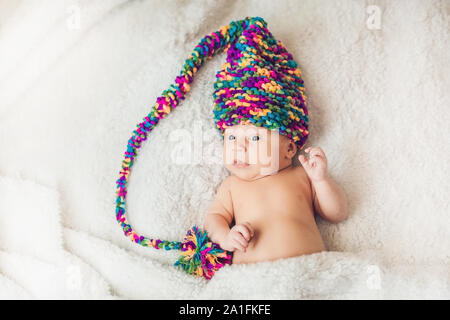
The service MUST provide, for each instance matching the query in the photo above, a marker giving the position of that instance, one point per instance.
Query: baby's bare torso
(280, 209)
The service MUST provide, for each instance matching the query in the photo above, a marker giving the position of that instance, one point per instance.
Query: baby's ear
(291, 149)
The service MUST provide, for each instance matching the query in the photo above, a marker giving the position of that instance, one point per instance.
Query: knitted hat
(259, 84)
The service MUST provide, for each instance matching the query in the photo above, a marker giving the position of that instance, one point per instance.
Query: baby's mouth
(240, 164)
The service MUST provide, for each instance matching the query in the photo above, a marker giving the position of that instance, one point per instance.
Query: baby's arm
(330, 201)
(219, 218)
(220, 214)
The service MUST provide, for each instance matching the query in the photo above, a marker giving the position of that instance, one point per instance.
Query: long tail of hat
(170, 98)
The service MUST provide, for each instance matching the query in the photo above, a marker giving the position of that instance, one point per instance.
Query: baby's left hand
(316, 166)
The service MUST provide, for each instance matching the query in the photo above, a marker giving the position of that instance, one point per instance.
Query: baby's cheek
(266, 158)
(227, 156)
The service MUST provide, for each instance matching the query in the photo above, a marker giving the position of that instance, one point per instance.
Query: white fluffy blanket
(77, 76)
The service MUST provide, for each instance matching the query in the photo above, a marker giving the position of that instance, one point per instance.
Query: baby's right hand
(238, 237)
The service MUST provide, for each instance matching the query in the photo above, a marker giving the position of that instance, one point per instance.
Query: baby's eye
(255, 138)
(231, 137)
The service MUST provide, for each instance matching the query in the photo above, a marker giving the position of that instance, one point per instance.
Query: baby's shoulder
(228, 182)
(300, 172)
(301, 175)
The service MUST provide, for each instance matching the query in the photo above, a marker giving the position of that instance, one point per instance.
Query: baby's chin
(248, 173)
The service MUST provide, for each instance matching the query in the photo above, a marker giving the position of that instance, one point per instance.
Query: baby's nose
(242, 144)
(241, 148)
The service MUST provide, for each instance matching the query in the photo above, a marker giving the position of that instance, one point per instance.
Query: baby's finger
(250, 228)
(317, 152)
(304, 162)
(318, 161)
(237, 245)
(244, 231)
(238, 237)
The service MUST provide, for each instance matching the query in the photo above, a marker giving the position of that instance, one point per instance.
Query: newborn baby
(271, 202)
(265, 209)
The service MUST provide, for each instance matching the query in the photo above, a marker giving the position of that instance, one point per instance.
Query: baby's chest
(279, 197)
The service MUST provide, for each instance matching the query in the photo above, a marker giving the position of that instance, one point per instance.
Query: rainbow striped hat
(259, 83)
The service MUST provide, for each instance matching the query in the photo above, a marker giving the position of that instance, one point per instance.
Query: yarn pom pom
(200, 256)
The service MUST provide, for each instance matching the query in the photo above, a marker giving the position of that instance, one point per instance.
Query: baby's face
(252, 152)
